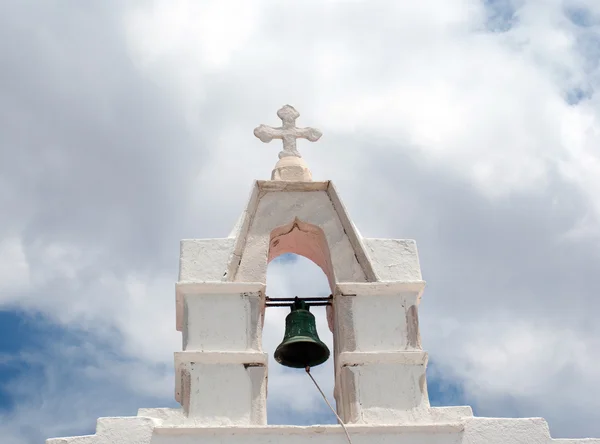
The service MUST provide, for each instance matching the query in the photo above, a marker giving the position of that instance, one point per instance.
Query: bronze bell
(301, 346)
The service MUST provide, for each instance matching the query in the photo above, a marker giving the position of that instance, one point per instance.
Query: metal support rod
(317, 301)
(289, 304)
(316, 298)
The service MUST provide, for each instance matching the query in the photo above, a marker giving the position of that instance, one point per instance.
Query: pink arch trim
(305, 240)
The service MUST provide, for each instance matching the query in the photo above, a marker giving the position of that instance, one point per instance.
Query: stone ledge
(215, 357)
(121, 429)
(309, 430)
(366, 358)
(163, 414)
(381, 288)
(288, 185)
(576, 441)
(217, 287)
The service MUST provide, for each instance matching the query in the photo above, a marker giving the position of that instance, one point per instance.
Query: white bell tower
(221, 373)
(376, 286)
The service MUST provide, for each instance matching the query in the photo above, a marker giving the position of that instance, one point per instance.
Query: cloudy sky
(471, 126)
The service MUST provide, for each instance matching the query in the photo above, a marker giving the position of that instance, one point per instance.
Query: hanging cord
(329, 405)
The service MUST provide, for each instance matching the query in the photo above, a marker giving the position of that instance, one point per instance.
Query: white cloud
(14, 268)
(130, 127)
(541, 366)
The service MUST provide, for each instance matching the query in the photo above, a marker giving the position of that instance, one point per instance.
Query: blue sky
(470, 126)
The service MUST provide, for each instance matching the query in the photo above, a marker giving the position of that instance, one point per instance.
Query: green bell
(301, 346)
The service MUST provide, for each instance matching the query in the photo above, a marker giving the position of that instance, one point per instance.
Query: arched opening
(292, 397)
(305, 240)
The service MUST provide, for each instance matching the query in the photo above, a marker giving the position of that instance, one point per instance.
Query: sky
(470, 126)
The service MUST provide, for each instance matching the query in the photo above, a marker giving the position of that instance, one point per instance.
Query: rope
(329, 405)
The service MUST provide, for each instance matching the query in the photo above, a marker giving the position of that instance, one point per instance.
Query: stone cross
(288, 132)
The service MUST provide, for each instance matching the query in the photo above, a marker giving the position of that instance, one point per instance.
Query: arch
(298, 275)
(305, 240)
(315, 211)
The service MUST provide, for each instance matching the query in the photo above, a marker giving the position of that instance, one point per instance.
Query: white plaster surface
(449, 434)
(407, 358)
(381, 288)
(390, 312)
(130, 430)
(222, 322)
(224, 394)
(291, 169)
(501, 431)
(352, 233)
(221, 374)
(394, 259)
(205, 259)
(184, 359)
(386, 393)
(393, 304)
(197, 289)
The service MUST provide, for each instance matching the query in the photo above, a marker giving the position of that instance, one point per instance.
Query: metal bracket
(287, 302)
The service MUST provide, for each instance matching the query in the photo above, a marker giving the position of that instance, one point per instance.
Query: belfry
(221, 373)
